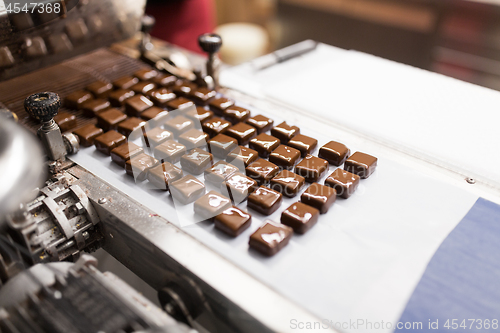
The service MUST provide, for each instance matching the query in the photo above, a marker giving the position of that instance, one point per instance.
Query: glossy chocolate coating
(92, 107)
(344, 182)
(137, 104)
(109, 119)
(199, 114)
(184, 88)
(311, 168)
(238, 187)
(221, 145)
(304, 144)
(170, 151)
(187, 189)
(334, 152)
(179, 125)
(361, 164)
(261, 123)
(219, 172)
(108, 141)
(179, 103)
(66, 121)
(118, 97)
(285, 157)
(125, 82)
(270, 238)
(264, 144)
(138, 166)
(218, 105)
(264, 200)
(233, 221)
(146, 74)
(194, 138)
(76, 99)
(100, 89)
(242, 132)
(165, 80)
(125, 152)
(262, 171)
(236, 114)
(161, 96)
(242, 156)
(215, 125)
(287, 183)
(155, 114)
(319, 196)
(196, 161)
(300, 217)
(143, 87)
(285, 132)
(87, 134)
(202, 96)
(164, 174)
(130, 127)
(156, 136)
(210, 205)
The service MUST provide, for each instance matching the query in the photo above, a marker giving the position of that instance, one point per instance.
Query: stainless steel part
(71, 143)
(52, 140)
(211, 43)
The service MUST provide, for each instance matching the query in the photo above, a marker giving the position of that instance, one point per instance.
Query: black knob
(147, 23)
(43, 106)
(210, 43)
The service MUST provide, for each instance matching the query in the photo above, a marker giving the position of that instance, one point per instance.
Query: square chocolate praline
(219, 172)
(146, 74)
(261, 123)
(361, 164)
(304, 144)
(179, 103)
(76, 99)
(165, 80)
(139, 166)
(215, 126)
(199, 114)
(87, 134)
(344, 182)
(285, 157)
(196, 161)
(143, 87)
(117, 98)
(334, 152)
(300, 217)
(170, 151)
(130, 127)
(238, 187)
(187, 189)
(270, 238)
(264, 144)
(242, 157)
(285, 132)
(108, 141)
(179, 125)
(194, 138)
(218, 105)
(236, 114)
(242, 132)
(211, 204)
(287, 183)
(136, 105)
(319, 196)
(92, 107)
(155, 114)
(264, 200)
(156, 136)
(164, 174)
(262, 171)
(125, 152)
(125, 82)
(221, 145)
(202, 95)
(233, 221)
(311, 168)
(161, 96)
(184, 88)
(100, 89)
(66, 121)
(109, 119)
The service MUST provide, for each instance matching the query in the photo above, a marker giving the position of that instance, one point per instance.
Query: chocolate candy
(218, 105)
(164, 174)
(179, 125)
(361, 164)
(242, 155)
(238, 187)
(270, 238)
(125, 152)
(87, 134)
(196, 161)
(125, 82)
(130, 127)
(264, 200)
(285, 132)
(66, 121)
(193, 138)
(262, 171)
(334, 152)
(287, 183)
(143, 87)
(233, 221)
(165, 80)
(219, 172)
(134, 106)
(170, 151)
(179, 103)
(156, 136)
(285, 157)
(300, 217)
(304, 144)
(146, 74)
(202, 95)
(236, 114)
(92, 107)
(344, 182)
(242, 132)
(161, 96)
(108, 141)
(75, 100)
(199, 114)
(183, 88)
(264, 144)
(319, 196)
(109, 119)
(100, 89)
(118, 97)
(311, 168)
(221, 145)
(215, 125)
(211, 205)
(261, 123)
(187, 189)
(138, 166)
(154, 114)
